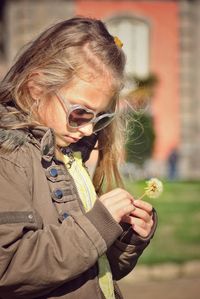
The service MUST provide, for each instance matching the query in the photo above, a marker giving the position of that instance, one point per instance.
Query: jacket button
(62, 216)
(65, 215)
(53, 172)
(58, 194)
(30, 218)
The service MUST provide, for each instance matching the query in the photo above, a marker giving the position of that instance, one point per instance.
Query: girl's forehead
(102, 75)
(95, 94)
(103, 83)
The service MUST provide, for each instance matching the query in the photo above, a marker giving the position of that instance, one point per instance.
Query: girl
(60, 235)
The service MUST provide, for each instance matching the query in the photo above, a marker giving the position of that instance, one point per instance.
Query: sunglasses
(79, 116)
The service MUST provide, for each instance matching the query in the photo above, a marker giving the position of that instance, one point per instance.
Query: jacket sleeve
(126, 250)
(36, 259)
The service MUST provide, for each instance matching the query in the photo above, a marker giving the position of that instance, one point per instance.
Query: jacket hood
(10, 139)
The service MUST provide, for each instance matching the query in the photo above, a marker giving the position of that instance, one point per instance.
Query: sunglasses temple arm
(63, 102)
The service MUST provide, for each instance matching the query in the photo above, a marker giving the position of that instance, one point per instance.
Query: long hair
(68, 49)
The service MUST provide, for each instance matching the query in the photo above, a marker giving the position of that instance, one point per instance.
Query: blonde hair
(60, 53)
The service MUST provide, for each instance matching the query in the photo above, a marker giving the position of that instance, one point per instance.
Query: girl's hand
(118, 202)
(140, 218)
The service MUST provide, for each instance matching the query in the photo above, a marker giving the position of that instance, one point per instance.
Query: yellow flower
(154, 188)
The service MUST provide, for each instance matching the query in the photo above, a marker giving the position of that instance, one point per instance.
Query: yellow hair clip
(118, 42)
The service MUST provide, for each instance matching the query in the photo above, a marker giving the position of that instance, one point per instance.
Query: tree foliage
(140, 138)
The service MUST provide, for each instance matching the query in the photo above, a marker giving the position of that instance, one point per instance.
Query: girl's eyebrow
(82, 103)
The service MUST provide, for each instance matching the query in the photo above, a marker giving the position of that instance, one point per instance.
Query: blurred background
(161, 40)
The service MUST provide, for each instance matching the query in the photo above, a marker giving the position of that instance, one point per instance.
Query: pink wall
(164, 60)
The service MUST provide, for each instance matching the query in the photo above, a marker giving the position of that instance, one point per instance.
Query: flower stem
(143, 195)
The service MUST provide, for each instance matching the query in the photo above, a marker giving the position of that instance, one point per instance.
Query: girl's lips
(72, 139)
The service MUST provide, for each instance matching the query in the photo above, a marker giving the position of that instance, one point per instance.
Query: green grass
(177, 238)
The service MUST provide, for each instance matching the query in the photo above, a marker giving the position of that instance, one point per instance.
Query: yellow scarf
(88, 196)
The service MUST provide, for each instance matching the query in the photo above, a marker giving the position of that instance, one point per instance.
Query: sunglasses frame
(70, 108)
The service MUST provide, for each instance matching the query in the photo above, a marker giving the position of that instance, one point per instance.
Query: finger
(116, 195)
(125, 212)
(143, 205)
(117, 191)
(127, 219)
(120, 208)
(139, 227)
(125, 207)
(118, 214)
(141, 231)
(139, 222)
(142, 214)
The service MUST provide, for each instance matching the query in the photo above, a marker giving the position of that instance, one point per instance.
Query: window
(134, 33)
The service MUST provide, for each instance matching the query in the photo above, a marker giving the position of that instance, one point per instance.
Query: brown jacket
(48, 245)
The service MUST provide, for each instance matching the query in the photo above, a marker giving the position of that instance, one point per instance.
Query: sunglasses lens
(79, 117)
(102, 123)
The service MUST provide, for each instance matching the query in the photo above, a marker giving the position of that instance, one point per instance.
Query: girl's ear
(35, 90)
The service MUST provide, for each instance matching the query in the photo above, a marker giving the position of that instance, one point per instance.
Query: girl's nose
(87, 130)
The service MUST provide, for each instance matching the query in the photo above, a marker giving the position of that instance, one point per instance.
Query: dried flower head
(154, 188)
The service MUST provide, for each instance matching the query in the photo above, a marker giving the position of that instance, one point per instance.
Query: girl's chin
(61, 141)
